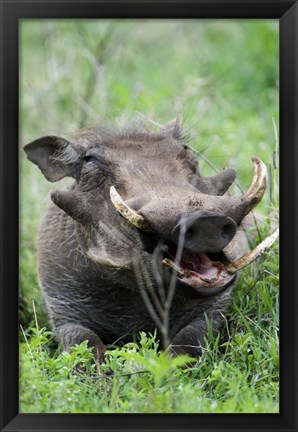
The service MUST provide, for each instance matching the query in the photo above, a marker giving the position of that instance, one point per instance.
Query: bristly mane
(139, 128)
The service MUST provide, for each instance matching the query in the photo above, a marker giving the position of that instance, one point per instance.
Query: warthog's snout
(204, 231)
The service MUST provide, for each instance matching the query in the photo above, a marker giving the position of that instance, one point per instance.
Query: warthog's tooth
(128, 213)
(174, 266)
(257, 188)
(254, 254)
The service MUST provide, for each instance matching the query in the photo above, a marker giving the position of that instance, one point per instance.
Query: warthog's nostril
(205, 231)
(188, 234)
(227, 231)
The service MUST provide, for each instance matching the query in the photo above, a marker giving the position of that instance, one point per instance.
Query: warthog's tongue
(199, 271)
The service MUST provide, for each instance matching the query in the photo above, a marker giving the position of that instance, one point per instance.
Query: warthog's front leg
(189, 340)
(71, 334)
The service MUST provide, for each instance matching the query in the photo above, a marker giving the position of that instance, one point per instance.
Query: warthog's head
(139, 202)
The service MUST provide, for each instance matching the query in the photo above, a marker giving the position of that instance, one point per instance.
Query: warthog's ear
(173, 127)
(54, 156)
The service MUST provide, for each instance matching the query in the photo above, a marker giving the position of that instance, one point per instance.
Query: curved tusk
(257, 188)
(254, 254)
(128, 213)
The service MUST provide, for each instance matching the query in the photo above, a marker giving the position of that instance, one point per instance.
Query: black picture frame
(11, 12)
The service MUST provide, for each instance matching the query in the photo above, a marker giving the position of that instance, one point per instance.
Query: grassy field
(222, 78)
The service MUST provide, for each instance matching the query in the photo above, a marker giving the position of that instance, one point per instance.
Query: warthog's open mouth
(204, 272)
(211, 273)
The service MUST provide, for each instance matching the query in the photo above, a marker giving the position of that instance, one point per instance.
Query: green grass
(222, 77)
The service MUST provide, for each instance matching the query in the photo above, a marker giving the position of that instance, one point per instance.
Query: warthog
(140, 240)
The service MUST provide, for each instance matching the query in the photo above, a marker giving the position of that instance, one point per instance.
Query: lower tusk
(128, 213)
(254, 254)
(174, 266)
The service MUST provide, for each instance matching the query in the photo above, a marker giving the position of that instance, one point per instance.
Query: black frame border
(13, 10)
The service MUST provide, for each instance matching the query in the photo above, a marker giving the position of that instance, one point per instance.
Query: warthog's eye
(97, 165)
(91, 157)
